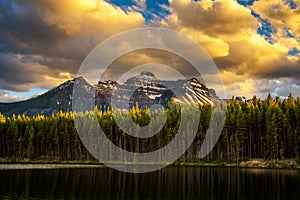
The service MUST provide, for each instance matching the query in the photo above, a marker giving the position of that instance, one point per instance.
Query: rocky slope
(145, 89)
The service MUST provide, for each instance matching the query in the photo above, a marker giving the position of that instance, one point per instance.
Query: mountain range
(145, 89)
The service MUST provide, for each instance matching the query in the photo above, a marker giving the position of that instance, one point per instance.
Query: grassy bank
(256, 163)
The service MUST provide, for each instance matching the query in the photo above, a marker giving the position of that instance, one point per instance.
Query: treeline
(267, 129)
(42, 138)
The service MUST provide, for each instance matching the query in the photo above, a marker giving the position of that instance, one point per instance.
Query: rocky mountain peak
(144, 73)
(143, 78)
(144, 88)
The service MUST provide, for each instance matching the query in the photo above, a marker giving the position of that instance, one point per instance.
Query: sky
(254, 43)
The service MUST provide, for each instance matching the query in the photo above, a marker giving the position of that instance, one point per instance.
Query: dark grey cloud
(284, 71)
(24, 31)
(280, 67)
(43, 43)
(17, 72)
(30, 48)
(139, 57)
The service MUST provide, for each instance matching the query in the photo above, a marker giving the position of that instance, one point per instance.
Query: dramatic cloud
(280, 14)
(27, 73)
(151, 56)
(256, 47)
(42, 43)
(229, 32)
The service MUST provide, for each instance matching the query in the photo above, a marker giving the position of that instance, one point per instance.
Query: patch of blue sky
(246, 2)
(26, 95)
(291, 3)
(3, 7)
(121, 3)
(153, 8)
(4, 3)
(266, 29)
(294, 52)
(156, 8)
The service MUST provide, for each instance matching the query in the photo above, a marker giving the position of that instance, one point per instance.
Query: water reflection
(169, 183)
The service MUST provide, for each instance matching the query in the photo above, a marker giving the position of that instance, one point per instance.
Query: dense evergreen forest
(267, 129)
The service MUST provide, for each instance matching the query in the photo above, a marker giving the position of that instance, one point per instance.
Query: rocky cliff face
(145, 89)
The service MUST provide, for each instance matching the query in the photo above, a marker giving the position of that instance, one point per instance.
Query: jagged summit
(147, 90)
(143, 78)
(144, 73)
(144, 88)
(52, 101)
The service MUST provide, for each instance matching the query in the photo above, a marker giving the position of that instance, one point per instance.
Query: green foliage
(262, 129)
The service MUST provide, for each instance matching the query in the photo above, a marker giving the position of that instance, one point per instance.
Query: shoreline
(255, 164)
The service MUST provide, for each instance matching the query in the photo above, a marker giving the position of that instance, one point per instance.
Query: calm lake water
(169, 183)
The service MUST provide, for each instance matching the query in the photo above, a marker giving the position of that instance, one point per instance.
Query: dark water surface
(169, 183)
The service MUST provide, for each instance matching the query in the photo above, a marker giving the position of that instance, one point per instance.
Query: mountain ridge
(147, 90)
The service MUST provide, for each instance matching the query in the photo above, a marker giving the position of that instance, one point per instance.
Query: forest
(266, 129)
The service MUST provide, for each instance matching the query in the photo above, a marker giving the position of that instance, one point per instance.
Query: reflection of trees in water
(169, 183)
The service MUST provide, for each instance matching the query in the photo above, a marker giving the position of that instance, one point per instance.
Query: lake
(169, 183)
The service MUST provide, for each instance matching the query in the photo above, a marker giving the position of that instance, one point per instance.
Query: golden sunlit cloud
(58, 36)
(90, 17)
(280, 15)
(228, 31)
